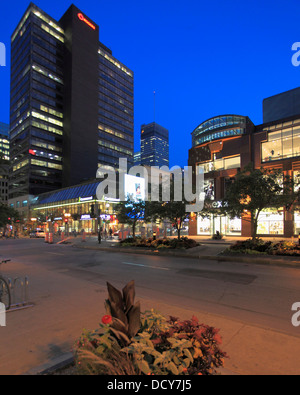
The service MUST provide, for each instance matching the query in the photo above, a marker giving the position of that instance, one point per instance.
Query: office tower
(137, 158)
(71, 103)
(154, 145)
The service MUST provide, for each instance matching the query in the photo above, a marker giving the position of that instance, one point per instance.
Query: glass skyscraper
(154, 145)
(71, 103)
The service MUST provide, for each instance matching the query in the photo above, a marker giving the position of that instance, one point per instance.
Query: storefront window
(233, 227)
(297, 222)
(204, 226)
(226, 226)
(270, 223)
(281, 144)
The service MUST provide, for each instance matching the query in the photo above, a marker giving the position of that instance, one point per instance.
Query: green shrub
(258, 246)
(154, 345)
(183, 243)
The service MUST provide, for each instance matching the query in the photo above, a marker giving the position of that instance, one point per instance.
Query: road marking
(141, 265)
(56, 253)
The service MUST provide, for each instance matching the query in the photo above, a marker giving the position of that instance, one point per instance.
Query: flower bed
(133, 343)
(260, 247)
(183, 243)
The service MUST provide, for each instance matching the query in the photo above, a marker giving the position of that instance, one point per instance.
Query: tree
(7, 214)
(131, 212)
(173, 211)
(255, 190)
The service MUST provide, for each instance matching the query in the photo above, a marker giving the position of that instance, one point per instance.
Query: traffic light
(92, 211)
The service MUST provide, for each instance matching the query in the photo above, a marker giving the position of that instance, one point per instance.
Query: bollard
(50, 238)
(46, 237)
(63, 236)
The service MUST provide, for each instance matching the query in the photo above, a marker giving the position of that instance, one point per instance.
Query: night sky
(203, 58)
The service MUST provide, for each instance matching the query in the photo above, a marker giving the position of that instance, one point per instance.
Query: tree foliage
(255, 190)
(131, 212)
(7, 214)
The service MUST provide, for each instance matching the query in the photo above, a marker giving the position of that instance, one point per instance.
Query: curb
(52, 366)
(219, 258)
(64, 361)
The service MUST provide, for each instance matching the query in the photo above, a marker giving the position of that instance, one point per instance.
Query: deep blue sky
(203, 58)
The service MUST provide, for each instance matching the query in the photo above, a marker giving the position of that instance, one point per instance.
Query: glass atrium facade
(219, 128)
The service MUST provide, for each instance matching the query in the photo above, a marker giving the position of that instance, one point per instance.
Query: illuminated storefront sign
(105, 217)
(86, 199)
(82, 18)
(85, 217)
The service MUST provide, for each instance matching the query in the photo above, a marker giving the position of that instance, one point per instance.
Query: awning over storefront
(82, 191)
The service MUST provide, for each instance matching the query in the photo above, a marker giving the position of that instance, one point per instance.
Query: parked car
(37, 234)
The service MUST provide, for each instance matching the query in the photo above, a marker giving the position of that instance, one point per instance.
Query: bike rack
(19, 290)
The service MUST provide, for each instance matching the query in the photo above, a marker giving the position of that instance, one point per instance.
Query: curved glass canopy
(218, 128)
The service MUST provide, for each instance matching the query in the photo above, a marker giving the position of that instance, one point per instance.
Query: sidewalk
(251, 350)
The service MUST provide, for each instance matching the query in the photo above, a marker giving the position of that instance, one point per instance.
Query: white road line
(141, 265)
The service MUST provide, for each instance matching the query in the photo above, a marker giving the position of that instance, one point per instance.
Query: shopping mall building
(225, 144)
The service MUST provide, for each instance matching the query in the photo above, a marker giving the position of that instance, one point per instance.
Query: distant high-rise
(154, 145)
(71, 103)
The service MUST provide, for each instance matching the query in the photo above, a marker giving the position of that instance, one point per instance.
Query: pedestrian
(105, 234)
(99, 236)
(110, 232)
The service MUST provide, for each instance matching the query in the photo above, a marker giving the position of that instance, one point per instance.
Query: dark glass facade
(71, 105)
(116, 107)
(36, 115)
(154, 145)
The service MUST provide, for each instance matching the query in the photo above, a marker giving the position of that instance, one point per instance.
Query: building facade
(4, 161)
(282, 105)
(71, 103)
(4, 141)
(224, 145)
(154, 145)
(137, 158)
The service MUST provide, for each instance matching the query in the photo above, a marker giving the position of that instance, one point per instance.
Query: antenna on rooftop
(154, 93)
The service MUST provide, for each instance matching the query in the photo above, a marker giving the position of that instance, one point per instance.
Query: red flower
(107, 319)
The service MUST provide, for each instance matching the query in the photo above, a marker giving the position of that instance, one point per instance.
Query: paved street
(251, 304)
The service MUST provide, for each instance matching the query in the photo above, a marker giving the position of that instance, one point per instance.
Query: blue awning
(82, 191)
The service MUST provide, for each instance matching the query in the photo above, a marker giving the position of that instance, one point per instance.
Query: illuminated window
(47, 119)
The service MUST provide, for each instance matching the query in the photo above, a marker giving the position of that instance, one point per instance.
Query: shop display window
(270, 223)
